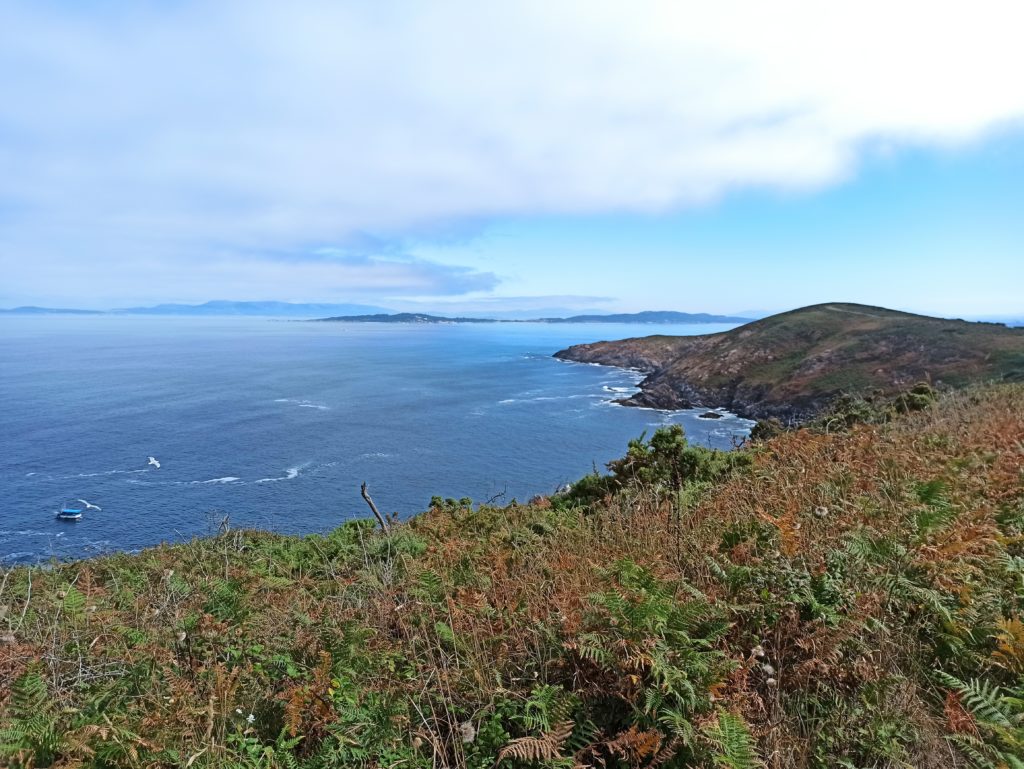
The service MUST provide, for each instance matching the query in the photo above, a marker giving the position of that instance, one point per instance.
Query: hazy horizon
(482, 312)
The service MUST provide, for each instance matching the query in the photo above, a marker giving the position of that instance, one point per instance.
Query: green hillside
(793, 365)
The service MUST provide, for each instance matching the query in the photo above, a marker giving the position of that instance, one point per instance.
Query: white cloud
(195, 132)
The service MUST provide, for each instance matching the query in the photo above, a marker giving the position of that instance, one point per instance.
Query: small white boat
(69, 513)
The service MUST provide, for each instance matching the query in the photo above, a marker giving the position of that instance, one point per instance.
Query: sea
(162, 429)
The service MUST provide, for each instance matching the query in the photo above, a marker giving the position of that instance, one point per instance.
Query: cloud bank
(181, 144)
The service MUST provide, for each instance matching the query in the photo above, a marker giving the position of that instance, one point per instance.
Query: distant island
(362, 313)
(792, 366)
(33, 310)
(650, 316)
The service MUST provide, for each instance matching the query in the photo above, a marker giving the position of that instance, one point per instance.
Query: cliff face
(793, 365)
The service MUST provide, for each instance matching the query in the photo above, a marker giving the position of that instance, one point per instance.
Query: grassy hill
(793, 365)
(849, 599)
(650, 316)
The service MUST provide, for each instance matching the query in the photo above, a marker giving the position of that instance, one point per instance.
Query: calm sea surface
(276, 423)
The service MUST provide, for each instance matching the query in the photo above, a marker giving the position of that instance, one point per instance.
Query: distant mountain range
(218, 308)
(632, 317)
(368, 313)
(31, 310)
(364, 313)
(256, 309)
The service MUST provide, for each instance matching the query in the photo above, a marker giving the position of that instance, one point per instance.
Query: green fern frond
(73, 602)
(733, 742)
(677, 724)
(981, 698)
(29, 696)
(981, 755)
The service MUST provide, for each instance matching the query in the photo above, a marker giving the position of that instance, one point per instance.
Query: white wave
(225, 479)
(303, 404)
(104, 472)
(619, 389)
(89, 505)
(289, 474)
(540, 398)
(153, 461)
(24, 533)
(29, 475)
(376, 455)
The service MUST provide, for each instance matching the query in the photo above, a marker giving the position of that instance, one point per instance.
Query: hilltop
(650, 316)
(832, 599)
(793, 365)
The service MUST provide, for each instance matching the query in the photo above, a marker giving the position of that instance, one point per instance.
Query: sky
(460, 156)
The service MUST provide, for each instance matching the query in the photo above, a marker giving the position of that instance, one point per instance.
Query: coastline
(658, 398)
(662, 389)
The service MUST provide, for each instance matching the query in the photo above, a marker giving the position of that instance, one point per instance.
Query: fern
(981, 755)
(547, 706)
(445, 633)
(733, 742)
(545, 748)
(677, 724)
(429, 586)
(32, 731)
(73, 602)
(590, 647)
(999, 715)
(982, 698)
(937, 513)
(28, 695)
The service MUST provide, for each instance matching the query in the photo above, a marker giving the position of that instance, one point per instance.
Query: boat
(69, 513)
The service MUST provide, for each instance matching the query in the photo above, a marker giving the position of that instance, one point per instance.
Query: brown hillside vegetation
(793, 365)
(818, 600)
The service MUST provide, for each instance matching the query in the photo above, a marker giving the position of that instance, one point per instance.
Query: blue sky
(477, 157)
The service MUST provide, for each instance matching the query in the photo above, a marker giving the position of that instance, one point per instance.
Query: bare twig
(28, 600)
(500, 495)
(384, 525)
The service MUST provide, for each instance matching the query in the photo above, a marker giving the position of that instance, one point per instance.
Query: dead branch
(384, 525)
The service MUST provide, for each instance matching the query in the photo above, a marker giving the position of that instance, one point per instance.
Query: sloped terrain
(792, 366)
(817, 600)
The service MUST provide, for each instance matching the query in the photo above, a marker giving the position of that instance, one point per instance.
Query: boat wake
(289, 474)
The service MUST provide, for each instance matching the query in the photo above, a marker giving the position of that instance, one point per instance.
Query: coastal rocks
(709, 415)
(674, 383)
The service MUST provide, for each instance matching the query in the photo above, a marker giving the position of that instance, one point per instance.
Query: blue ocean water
(276, 424)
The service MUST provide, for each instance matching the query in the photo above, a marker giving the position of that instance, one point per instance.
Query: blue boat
(68, 513)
